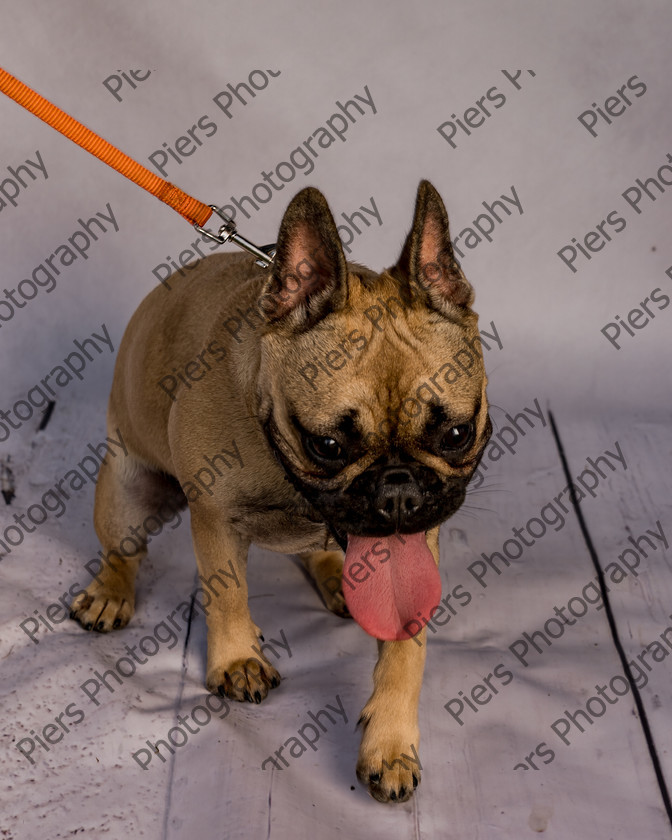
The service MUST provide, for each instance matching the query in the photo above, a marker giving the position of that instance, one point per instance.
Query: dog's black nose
(397, 495)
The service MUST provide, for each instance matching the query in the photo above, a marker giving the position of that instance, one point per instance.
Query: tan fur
(250, 398)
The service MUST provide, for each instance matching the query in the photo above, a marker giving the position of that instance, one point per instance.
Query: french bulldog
(357, 435)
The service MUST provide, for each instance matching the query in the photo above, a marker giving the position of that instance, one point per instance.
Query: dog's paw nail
(73, 614)
(415, 781)
(374, 777)
(402, 792)
(275, 682)
(247, 696)
(393, 796)
(100, 626)
(262, 638)
(221, 691)
(88, 625)
(117, 622)
(257, 697)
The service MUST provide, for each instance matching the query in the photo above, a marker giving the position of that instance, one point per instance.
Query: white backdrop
(575, 186)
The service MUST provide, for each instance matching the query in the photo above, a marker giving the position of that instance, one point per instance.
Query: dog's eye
(322, 449)
(457, 437)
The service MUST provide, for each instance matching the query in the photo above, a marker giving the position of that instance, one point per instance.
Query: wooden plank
(631, 529)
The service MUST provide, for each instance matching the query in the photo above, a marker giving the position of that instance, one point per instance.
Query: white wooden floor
(475, 783)
(528, 723)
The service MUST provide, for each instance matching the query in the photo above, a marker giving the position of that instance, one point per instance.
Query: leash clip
(228, 232)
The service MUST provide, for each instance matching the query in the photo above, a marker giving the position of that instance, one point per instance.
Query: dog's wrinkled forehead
(384, 352)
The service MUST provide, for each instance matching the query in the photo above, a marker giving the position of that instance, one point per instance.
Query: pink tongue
(390, 585)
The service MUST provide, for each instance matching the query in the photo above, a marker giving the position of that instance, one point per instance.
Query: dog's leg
(127, 493)
(326, 569)
(389, 764)
(236, 665)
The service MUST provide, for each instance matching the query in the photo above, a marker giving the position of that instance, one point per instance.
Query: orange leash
(191, 209)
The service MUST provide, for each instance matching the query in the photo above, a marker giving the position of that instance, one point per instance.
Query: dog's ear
(427, 259)
(309, 269)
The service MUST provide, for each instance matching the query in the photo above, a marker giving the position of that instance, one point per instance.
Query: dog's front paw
(243, 679)
(103, 607)
(388, 763)
(326, 570)
(335, 602)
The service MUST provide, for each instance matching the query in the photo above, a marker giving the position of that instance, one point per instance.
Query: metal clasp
(228, 232)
